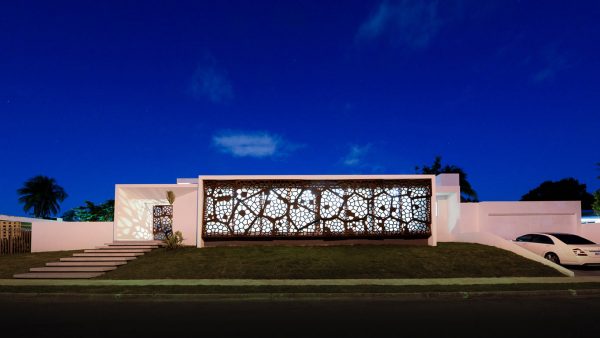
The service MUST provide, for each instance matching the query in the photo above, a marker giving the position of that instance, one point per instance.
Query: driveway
(585, 270)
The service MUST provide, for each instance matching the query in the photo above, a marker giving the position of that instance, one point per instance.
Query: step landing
(108, 254)
(74, 269)
(116, 250)
(58, 275)
(135, 243)
(122, 247)
(111, 263)
(96, 259)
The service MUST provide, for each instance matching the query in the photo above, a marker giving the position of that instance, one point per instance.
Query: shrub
(174, 240)
(170, 197)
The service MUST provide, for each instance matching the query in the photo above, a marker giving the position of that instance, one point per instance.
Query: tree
(567, 189)
(43, 195)
(467, 193)
(596, 204)
(91, 212)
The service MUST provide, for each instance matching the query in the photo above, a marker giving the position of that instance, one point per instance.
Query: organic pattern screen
(162, 221)
(304, 209)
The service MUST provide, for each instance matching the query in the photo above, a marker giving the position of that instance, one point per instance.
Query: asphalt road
(585, 270)
(514, 316)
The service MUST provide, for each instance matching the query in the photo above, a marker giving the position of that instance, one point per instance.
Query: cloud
(361, 158)
(356, 155)
(252, 144)
(411, 23)
(553, 61)
(210, 82)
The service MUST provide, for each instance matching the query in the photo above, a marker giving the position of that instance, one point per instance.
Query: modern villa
(311, 209)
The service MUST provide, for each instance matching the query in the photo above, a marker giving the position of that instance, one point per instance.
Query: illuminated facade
(221, 209)
(236, 210)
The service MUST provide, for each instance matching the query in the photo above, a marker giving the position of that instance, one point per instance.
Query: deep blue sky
(95, 93)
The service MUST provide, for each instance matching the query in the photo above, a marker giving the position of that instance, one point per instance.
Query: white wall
(447, 205)
(58, 236)
(591, 231)
(512, 219)
(24, 219)
(184, 216)
(134, 204)
(468, 219)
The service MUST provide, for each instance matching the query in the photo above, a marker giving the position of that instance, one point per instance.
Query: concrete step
(127, 247)
(116, 250)
(116, 243)
(96, 259)
(87, 264)
(74, 269)
(108, 254)
(58, 275)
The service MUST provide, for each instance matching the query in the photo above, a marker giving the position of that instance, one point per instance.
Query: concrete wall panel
(58, 236)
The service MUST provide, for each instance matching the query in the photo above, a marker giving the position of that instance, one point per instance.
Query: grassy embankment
(448, 260)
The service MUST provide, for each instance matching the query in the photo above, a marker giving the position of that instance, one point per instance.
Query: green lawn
(19, 263)
(307, 262)
(359, 261)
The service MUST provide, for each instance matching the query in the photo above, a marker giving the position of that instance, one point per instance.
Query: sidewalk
(301, 282)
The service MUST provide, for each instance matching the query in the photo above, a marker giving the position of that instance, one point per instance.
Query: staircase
(92, 262)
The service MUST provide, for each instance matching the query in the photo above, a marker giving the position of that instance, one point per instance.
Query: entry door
(162, 220)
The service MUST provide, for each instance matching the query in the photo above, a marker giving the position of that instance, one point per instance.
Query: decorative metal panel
(304, 209)
(162, 220)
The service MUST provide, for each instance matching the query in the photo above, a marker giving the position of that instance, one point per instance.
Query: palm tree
(467, 193)
(43, 195)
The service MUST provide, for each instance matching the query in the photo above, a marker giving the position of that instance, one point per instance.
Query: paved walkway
(301, 282)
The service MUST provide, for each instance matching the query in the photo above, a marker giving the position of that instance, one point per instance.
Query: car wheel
(552, 257)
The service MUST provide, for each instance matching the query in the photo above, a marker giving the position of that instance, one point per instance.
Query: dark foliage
(41, 196)
(567, 189)
(467, 193)
(91, 212)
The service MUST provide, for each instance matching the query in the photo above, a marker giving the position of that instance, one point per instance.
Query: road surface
(513, 316)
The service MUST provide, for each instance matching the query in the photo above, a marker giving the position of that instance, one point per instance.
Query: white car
(560, 248)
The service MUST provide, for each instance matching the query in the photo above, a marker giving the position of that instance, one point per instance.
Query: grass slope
(20, 263)
(360, 261)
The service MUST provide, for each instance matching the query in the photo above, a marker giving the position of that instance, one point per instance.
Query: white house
(236, 210)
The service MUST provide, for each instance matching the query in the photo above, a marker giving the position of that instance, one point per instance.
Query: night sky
(95, 93)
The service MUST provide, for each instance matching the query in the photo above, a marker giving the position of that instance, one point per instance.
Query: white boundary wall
(24, 219)
(591, 231)
(434, 232)
(512, 219)
(58, 236)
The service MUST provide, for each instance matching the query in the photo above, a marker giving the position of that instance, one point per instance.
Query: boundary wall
(59, 236)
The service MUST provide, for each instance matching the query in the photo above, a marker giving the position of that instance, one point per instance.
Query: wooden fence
(13, 238)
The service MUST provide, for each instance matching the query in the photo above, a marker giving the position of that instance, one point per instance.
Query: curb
(301, 282)
(260, 297)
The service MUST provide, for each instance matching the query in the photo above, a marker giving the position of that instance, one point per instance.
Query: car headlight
(579, 252)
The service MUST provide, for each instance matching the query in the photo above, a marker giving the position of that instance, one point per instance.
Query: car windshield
(572, 239)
